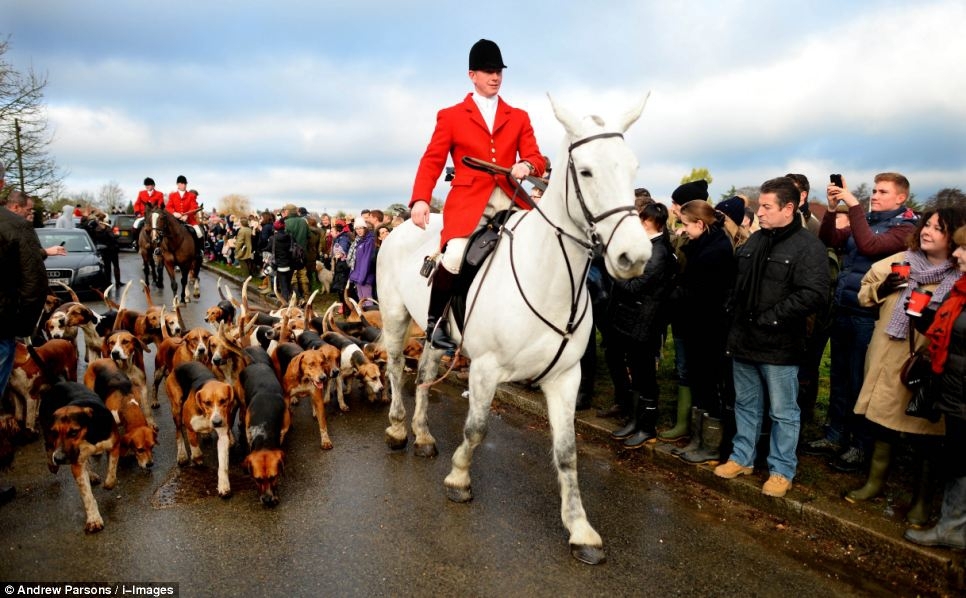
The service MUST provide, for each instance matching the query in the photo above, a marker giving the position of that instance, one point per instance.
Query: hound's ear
(247, 464)
(144, 347)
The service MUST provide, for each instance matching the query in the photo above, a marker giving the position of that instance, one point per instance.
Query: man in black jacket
(23, 287)
(782, 279)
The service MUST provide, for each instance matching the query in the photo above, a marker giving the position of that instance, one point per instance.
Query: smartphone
(836, 180)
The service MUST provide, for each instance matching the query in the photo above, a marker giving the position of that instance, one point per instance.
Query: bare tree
(111, 197)
(946, 198)
(236, 204)
(24, 136)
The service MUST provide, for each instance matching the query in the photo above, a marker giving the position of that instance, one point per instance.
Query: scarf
(941, 329)
(769, 238)
(923, 272)
(351, 258)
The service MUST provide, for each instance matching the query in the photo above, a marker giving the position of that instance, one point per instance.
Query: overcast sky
(331, 104)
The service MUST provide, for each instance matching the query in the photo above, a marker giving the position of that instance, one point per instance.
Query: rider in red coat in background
(183, 204)
(481, 126)
(148, 199)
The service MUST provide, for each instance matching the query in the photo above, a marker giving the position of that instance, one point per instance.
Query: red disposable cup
(918, 300)
(903, 269)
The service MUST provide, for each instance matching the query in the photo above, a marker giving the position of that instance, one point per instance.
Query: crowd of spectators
(753, 296)
(261, 246)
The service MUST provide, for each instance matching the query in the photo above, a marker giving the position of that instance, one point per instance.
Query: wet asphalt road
(361, 520)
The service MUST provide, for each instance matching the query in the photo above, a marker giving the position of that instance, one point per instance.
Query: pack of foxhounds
(237, 377)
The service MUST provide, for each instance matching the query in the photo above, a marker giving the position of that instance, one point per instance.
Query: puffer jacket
(23, 287)
(882, 234)
(281, 245)
(637, 307)
(704, 285)
(794, 284)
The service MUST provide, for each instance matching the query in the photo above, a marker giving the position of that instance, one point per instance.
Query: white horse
(528, 308)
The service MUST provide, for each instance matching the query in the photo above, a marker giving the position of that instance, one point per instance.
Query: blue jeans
(680, 361)
(8, 347)
(751, 378)
(850, 337)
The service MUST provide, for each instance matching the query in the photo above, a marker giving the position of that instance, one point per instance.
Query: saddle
(481, 244)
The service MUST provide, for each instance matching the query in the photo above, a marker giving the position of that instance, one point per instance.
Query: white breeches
(453, 255)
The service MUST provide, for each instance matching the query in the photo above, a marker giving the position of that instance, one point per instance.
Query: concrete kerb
(945, 570)
(942, 569)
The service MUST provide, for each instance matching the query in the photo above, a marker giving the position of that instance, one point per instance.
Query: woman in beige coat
(244, 251)
(883, 398)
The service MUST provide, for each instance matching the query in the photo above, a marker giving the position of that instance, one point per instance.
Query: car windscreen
(72, 242)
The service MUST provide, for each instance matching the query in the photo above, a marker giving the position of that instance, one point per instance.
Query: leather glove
(890, 285)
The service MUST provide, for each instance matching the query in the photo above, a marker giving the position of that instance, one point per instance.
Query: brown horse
(153, 271)
(176, 245)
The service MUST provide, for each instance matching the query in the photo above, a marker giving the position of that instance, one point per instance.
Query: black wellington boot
(697, 414)
(634, 424)
(436, 325)
(710, 449)
(950, 531)
(646, 416)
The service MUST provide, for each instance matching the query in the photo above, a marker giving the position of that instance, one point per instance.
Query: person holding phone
(885, 230)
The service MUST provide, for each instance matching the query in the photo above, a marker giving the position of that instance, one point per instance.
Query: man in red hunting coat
(481, 126)
(182, 203)
(148, 199)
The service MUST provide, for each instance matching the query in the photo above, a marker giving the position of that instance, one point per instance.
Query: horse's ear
(567, 118)
(629, 117)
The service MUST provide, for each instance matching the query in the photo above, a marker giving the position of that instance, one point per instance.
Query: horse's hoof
(591, 555)
(396, 444)
(155, 405)
(425, 450)
(459, 494)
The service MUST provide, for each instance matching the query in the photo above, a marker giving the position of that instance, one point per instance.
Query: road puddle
(186, 485)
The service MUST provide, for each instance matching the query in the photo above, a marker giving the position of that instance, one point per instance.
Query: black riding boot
(436, 324)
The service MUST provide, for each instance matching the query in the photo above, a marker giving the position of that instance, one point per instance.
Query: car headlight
(85, 270)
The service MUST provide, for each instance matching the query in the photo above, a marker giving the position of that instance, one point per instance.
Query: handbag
(916, 374)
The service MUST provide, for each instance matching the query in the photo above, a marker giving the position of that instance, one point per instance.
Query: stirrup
(444, 342)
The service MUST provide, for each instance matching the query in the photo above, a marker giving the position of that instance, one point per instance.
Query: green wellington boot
(680, 429)
(878, 470)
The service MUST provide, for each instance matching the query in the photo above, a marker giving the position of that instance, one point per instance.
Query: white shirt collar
(487, 108)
